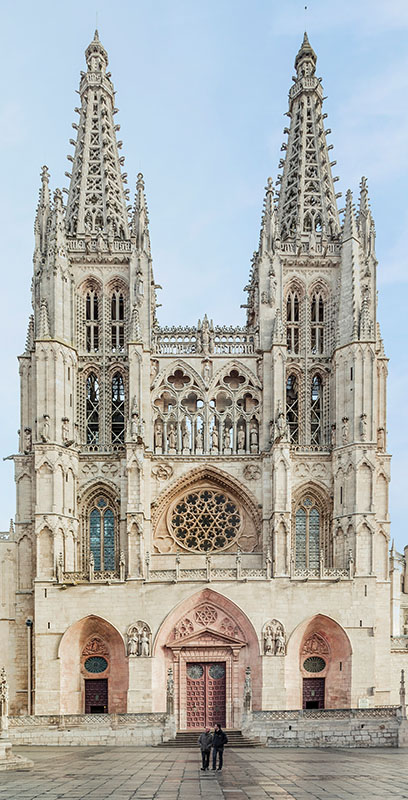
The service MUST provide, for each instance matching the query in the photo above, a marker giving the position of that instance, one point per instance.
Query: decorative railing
(325, 713)
(91, 246)
(319, 248)
(87, 720)
(98, 576)
(399, 643)
(171, 341)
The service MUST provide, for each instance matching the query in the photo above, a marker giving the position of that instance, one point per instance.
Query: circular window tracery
(314, 664)
(195, 671)
(205, 520)
(95, 664)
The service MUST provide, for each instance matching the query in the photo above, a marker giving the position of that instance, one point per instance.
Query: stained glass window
(95, 664)
(307, 535)
(102, 536)
(205, 520)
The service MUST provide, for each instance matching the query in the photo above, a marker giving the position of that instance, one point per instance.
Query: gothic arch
(223, 633)
(321, 286)
(72, 674)
(322, 501)
(211, 478)
(90, 282)
(227, 368)
(116, 282)
(339, 650)
(109, 492)
(294, 284)
(164, 374)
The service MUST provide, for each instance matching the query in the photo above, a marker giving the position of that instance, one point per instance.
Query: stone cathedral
(202, 512)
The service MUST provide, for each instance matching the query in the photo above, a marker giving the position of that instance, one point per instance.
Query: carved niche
(274, 638)
(139, 639)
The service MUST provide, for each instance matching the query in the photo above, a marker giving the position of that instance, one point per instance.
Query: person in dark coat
(205, 742)
(219, 740)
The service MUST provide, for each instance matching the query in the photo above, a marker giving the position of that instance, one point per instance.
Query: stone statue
(60, 569)
(381, 439)
(133, 643)
(281, 427)
(227, 439)
(91, 567)
(134, 427)
(268, 642)
(363, 427)
(247, 689)
(4, 702)
(171, 438)
(65, 430)
(158, 437)
(144, 643)
(333, 435)
(405, 627)
(254, 439)
(28, 440)
(186, 438)
(214, 438)
(241, 439)
(280, 642)
(45, 428)
(122, 566)
(199, 439)
(345, 430)
(170, 691)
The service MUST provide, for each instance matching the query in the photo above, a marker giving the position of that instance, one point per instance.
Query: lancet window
(317, 324)
(292, 407)
(102, 535)
(292, 322)
(118, 410)
(307, 534)
(92, 321)
(316, 411)
(117, 322)
(92, 410)
(191, 419)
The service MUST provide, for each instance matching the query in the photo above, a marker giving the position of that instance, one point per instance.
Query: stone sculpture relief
(139, 640)
(274, 639)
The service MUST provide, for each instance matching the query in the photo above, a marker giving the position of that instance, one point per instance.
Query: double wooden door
(96, 696)
(313, 692)
(205, 694)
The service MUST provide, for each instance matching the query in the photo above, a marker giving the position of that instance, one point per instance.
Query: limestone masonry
(202, 524)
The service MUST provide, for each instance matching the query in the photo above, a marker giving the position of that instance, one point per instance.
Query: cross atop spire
(97, 200)
(307, 203)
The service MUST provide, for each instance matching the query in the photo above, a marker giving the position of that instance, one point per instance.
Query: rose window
(205, 520)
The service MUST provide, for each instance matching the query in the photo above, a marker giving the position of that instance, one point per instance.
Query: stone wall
(91, 729)
(371, 727)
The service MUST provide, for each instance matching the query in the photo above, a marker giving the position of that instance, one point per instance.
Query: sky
(202, 90)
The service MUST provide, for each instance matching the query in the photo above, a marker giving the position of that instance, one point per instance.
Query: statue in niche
(381, 439)
(133, 643)
(247, 689)
(274, 639)
(171, 438)
(154, 368)
(253, 437)
(45, 428)
(345, 430)
(139, 640)
(134, 427)
(158, 437)
(241, 438)
(405, 627)
(186, 437)
(206, 372)
(272, 291)
(65, 431)
(144, 643)
(333, 435)
(363, 427)
(268, 642)
(281, 426)
(205, 336)
(227, 439)
(28, 440)
(214, 438)
(4, 702)
(199, 439)
(280, 642)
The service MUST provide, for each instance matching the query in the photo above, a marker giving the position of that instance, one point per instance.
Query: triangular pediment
(205, 637)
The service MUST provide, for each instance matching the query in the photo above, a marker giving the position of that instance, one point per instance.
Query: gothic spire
(43, 213)
(307, 200)
(57, 246)
(140, 219)
(97, 199)
(268, 224)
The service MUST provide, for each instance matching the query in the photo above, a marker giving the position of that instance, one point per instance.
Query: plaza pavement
(122, 773)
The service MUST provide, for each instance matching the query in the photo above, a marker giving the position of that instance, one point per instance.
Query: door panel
(96, 696)
(205, 694)
(313, 692)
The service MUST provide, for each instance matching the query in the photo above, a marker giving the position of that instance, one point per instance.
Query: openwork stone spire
(307, 201)
(96, 199)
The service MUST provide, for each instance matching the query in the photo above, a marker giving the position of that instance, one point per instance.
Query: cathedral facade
(202, 512)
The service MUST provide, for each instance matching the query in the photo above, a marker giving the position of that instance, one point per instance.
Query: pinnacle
(305, 51)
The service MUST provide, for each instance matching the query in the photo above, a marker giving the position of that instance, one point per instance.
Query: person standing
(205, 741)
(219, 740)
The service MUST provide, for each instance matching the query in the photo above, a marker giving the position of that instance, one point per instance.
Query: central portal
(205, 694)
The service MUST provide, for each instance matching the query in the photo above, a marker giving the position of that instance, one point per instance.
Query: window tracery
(117, 321)
(292, 322)
(316, 411)
(92, 321)
(118, 410)
(205, 520)
(190, 418)
(292, 408)
(312, 538)
(92, 410)
(102, 535)
(317, 318)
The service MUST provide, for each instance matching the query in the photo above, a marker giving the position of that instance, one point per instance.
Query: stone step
(187, 739)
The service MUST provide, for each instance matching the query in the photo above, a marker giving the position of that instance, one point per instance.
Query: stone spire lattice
(97, 200)
(307, 201)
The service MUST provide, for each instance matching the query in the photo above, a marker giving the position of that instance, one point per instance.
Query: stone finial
(140, 218)
(44, 332)
(305, 52)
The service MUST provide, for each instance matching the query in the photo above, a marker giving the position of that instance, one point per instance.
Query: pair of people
(216, 741)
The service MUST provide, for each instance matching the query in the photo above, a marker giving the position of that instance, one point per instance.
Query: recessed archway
(323, 638)
(207, 628)
(87, 636)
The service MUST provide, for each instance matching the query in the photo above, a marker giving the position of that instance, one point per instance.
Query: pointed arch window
(92, 321)
(292, 408)
(118, 322)
(317, 324)
(292, 322)
(316, 411)
(92, 410)
(118, 410)
(102, 535)
(307, 535)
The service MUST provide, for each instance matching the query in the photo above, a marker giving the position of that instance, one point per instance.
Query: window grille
(317, 324)
(292, 408)
(92, 410)
(316, 406)
(118, 410)
(91, 321)
(117, 322)
(292, 322)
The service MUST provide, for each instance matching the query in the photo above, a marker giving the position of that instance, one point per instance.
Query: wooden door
(313, 692)
(96, 696)
(205, 694)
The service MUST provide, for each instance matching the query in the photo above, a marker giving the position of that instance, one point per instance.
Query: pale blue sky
(202, 89)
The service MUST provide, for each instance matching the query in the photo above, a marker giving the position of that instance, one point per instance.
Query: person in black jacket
(219, 740)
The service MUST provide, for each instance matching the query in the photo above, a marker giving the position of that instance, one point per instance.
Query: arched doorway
(318, 673)
(94, 675)
(208, 643)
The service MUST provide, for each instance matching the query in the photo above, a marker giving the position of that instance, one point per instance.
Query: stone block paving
(148, 773)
